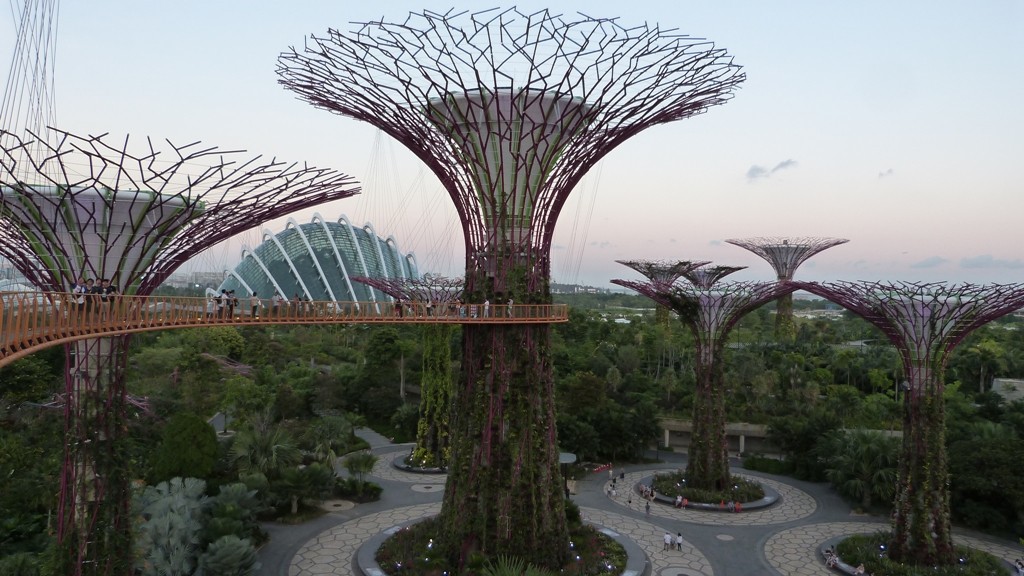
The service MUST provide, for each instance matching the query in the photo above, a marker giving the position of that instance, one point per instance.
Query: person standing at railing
(275, 304)
(232, 304)
(254, 305)
(487, 308)
(110, 298)
(94, 299)
(78, 292)
(510, 307)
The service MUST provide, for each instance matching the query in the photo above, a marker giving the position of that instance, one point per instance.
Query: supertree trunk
(94, 524)
(433, 433)
(505, 492)
(921, 532)
(707, 465)
(785, 327)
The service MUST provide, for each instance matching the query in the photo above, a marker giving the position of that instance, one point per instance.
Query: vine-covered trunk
(94, 525)
(433, 428)
(785, 329)
(504, 493)
(920, 526)
(707, 464)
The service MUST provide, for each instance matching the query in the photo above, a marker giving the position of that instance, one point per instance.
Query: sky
(896, 125)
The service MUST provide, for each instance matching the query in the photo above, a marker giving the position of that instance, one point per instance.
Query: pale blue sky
(898, 125)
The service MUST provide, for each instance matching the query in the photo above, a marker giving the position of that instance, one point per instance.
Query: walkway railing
(30, 321)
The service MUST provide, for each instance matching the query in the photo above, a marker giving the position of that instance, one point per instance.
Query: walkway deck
(31, 321)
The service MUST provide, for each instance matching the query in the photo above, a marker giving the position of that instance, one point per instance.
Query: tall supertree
(925, 322)
(75, 207)
(437, 296)
(710, 311)
(785, 255)
(509, 110)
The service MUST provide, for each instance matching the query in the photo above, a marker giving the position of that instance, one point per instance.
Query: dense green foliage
(188, 448)
(295, 394)
(869, 550)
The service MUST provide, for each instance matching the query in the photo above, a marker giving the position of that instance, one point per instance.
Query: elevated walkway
(31, 321)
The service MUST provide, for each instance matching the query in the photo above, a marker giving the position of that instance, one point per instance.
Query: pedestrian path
(782, 540)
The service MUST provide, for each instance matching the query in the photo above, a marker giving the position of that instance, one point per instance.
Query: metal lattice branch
(662, 274)
(509, 109)
(101, 209)
(925, 321)
(710, 313)
(786, 254)
(707, 276)
(430, 288)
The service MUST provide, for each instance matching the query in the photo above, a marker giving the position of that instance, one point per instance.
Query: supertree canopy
(707, 276)
(710, 312)
(438, 296)
(925, 322)
(785, 255)
(509, 110)
(84, 208)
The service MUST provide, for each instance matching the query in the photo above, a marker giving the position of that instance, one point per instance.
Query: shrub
(742, 490)
(760, 463)
(229, 556)
(188, 449)
(869, 549)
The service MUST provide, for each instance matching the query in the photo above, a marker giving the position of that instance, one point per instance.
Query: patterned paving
(333, 550)
(793, 504)
(794, 552)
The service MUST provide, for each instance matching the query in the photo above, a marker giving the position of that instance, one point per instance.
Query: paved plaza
(783, 539)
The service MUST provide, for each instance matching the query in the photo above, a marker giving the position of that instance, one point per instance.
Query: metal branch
(135, 213)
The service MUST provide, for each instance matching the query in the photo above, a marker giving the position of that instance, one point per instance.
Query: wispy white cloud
(987, 261)
(929, 262)
(885, 173)
(755, 171)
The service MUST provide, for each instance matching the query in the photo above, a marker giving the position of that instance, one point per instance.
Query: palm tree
(265, 449)
(862, 464)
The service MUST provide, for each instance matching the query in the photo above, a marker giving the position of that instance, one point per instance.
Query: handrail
(30, 321)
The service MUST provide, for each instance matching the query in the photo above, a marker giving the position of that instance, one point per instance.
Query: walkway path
(782, 540)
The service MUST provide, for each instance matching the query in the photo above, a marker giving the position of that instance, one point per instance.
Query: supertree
(710, 311)
(785, 255)
(86, 207)
(662, 274)
(925, 322)
(436, 296)
(509, 110)
(707, 276)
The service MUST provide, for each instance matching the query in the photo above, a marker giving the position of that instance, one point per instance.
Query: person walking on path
(668, 541)
(647, 508)
(679, 541)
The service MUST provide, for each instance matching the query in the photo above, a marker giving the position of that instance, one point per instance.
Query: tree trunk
(94, 522)
(921, 526)
(785, 330)
(504, 493)
(707, 464)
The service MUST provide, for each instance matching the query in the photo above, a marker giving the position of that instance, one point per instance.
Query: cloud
(929, 262)
(783, 165)
(885, 173)
(755, 171)
(715, 242)
(987, 261)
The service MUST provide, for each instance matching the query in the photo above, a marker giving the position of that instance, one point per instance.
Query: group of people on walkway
(673, 543)
(91, 297)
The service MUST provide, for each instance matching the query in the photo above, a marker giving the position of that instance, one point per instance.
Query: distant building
(317, 260)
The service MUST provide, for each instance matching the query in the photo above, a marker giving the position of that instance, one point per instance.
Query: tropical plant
(861, 464)
(167, 539)
(188, 448)
(229, 556)
(359, 465)
(232, 511)
(264, 448)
